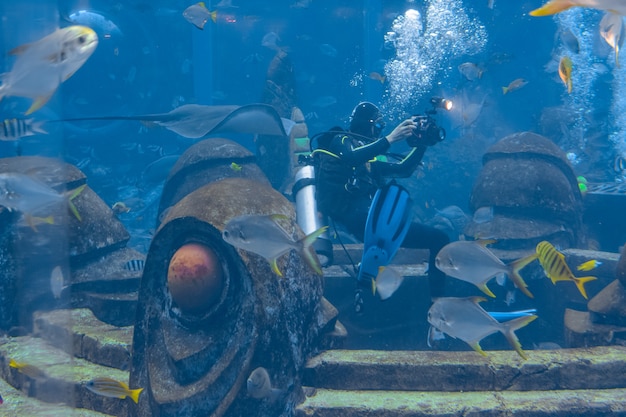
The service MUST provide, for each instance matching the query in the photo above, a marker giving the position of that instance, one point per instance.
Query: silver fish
(472, 262)
(29, 196)
(56, 282)
(261, 234)
(14, 129)
(259, 384)
(612, 31)
(197, 14)
(387, 282)
(25, 194)
(43, 65)
(463, 318)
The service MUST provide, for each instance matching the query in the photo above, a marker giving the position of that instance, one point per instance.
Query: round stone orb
(195, 278)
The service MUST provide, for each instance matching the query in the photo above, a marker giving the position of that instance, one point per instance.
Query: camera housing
(427, 132)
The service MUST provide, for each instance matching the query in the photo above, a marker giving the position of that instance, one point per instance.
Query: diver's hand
(403, 131)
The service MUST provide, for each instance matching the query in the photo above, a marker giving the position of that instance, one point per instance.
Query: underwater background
(151, 60)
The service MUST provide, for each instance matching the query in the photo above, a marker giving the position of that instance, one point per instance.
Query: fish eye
(82, 39)
(225, 234)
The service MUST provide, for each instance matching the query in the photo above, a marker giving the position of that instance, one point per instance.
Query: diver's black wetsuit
(347, 178)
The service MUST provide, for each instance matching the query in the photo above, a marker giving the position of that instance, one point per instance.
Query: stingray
(196, 121)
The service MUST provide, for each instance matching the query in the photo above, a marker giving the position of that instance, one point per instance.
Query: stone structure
(533, 191)
(193, 354)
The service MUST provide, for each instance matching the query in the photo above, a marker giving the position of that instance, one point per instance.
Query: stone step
(564, 403)
(63, 379)
(16, 403)
(91, 339)
(600, 367)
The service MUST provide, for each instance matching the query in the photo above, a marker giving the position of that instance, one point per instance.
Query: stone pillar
(193, 353)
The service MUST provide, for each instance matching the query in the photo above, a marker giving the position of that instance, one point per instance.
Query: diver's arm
(402, 169)
(342, 147)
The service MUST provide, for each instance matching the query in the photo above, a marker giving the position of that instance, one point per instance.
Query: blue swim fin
(387, 224)
(510, 315)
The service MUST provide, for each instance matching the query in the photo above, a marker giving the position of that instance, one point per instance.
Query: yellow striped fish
(108, 387)
(555, 267)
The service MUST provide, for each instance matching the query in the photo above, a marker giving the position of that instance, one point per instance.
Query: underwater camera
(427, 131)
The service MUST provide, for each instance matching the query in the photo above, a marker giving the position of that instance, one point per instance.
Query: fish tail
(374, 285)
(486, 290)
(37, 127)
(505, 90)
(552, 7)
(75, 193)
(477, 348)
(307, 249)
(13, 364)
(214, 16)
(275, 268)
(580, 283)
(509, 332)
(134, 394)
(516, 277)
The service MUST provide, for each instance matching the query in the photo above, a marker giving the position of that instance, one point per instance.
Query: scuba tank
(307, 216)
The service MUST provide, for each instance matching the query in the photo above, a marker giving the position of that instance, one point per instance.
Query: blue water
(150, 59)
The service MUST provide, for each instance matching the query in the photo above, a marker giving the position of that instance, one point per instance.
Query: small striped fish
(555, 267)
(108, 387)
(14, 129)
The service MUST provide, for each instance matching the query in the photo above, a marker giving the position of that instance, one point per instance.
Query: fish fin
(477, 348)
(307, 249)
(18, 50)
(13, 364)
(275, 268)
(580, 283)
(214, 16)
(37, 127)
(72, 196)
(552, 7)
(37, 104)
(509, 332)
(478, 299)
(515, 267)
(134, 394)
(505, 90)
(483, 287)
(485, 242)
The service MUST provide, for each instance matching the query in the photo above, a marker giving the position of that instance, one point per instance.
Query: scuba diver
(353, 189)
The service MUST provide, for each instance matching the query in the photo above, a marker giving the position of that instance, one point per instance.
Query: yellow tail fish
(557, 6)
(555, 267)
(565, 72)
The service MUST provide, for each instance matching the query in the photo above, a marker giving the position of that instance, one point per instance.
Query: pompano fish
(463, 318)
(472, 262)
(56, 282)
(555, 267)
(557, 6)
(259, 384)
(43, 65)
(612, 31)
(261, 234)
(108, 387)
(22, 193)
(198, 14)
(387, 282)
